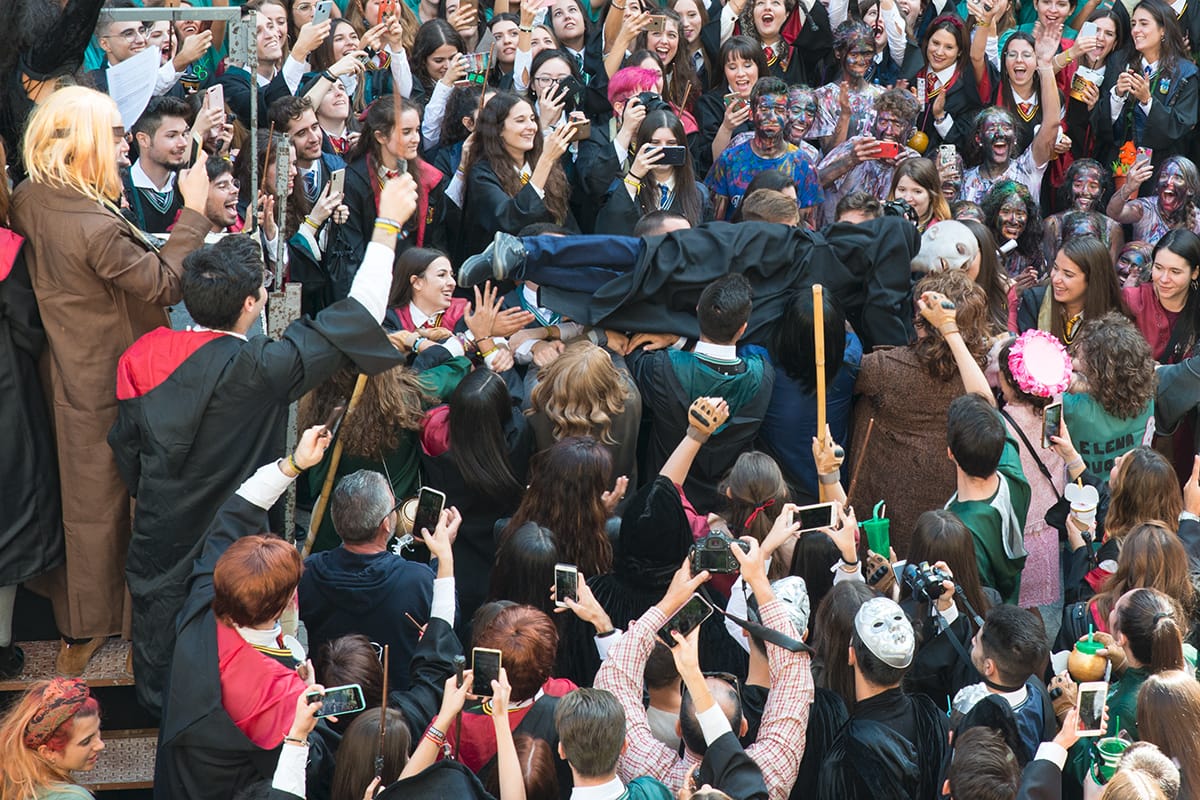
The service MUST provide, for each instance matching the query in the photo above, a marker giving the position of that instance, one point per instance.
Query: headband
(62, 699)
(1039, 364)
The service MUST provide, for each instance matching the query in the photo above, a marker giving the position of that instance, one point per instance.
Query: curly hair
(391, 403)
(1116, 361)
(1030, 242)
(580, 393)
(971, 316)
(491, 150)
(899, 102)
(1066, 193)
(746, 20)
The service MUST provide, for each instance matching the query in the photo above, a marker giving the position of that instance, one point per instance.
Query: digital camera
(925, 581)
(652, 101)
(712, 553)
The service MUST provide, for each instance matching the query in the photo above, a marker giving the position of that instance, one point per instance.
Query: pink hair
(628, 82)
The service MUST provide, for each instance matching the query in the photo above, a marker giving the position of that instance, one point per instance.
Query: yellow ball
(919, 141)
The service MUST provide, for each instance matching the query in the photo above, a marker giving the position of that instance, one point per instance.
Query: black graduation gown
(867, 266)
(596, 167)
(621, 212)
(142, 212)
(962, 104)
(726, 765)
(202, 754)
(197, 414)
(488, 208)
(872, 759)
(710, 113)
(31, 537)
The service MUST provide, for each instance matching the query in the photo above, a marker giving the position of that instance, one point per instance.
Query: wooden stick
(262, 181)
(818, 295)
(862, 456)
(318, 514)
(382, 717)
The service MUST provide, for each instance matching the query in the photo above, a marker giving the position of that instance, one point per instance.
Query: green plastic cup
(1110, 749)
(878, 535)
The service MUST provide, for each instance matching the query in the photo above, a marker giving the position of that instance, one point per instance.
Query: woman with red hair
(52, 731)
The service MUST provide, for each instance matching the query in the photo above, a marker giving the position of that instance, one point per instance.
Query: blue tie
(665, 195)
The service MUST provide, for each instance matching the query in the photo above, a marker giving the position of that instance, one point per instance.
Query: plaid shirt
(780, 743)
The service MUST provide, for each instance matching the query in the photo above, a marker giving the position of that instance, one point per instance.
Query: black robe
(198, 412)
(866, 266)
(487, 208)
(31, 537)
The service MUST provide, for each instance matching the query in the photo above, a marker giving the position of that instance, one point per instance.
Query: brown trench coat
(98, 287)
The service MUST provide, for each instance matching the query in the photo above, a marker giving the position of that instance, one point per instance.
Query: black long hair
(430, 36)
(1186, 245)
(687, 192)
(1174, 48)
(479, 409)
(795, 341)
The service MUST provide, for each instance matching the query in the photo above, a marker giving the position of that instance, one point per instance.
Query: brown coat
(98, 287)
(905, 462)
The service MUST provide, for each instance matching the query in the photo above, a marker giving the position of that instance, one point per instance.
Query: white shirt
(719, 352)
(141, 180)
(605, 791)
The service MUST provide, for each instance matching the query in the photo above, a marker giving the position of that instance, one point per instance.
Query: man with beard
(846, 108)
(996, 137)
(1084, 186)
(1174, 206)
(865, 163)
(737, 165)
(298, 119)
(163, 148)
(222, 206)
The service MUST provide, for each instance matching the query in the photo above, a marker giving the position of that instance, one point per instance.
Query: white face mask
(886, 631)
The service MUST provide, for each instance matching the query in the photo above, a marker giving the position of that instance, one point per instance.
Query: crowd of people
(736, 399)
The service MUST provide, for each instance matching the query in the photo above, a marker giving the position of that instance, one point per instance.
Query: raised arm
(1122, 207)
(508, 766)
(705, 415)
(1047, 135)
(939, 312)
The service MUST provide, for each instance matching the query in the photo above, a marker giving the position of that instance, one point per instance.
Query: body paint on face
(1173, 191)
(801, 114)
(997, 135)
(889, 127)
(1012, 218)
(1133, 265)
(769, 114)
(1087, 188)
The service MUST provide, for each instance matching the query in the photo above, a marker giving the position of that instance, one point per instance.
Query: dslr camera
(712, 553)
(925, 581)
(652, 101)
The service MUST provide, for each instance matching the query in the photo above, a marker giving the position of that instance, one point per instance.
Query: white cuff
(265, 486)
(1116, 103)
(1146, 106)
(1052, 751)
(604, 645)
(290, 770)
(442, 605)
(713, 723)
(294, 71)
(950, 615)
(943, 127)
(373, 281)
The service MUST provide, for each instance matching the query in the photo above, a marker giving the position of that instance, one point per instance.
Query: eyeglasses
(546, 80)
(130, 35)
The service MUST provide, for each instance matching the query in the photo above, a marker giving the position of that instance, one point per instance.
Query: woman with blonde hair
(52, 731)
(100, 284)
(588, 392)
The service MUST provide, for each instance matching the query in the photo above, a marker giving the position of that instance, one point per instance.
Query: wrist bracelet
(388, 228)
(949, 329)
(416, 344)
(291, 461)
(553, 333)
(634, 182)
(312, 223)
(1077, 462)
(387, 221)
(488, 353)
(606, 634)
(697, 435)
(295, 741)
(830, 479)
(524, 29)
(329, 76)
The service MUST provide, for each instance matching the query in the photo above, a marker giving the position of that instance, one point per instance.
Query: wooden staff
(818, 294)
(862, 456)
(382, 717)
(262, 181)
(314, 524)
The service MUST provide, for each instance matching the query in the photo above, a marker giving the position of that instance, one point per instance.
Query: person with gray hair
(362, 587)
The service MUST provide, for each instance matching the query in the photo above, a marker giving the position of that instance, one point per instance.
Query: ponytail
(1166, 644)
(1152, 622)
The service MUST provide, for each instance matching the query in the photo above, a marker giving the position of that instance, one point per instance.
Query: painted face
(665, 43)
(1172, 189)
(540, 40)
(568, 22)
(1067, 281)
(741, 74)
(692, 22)
(1020, 62)
(915, 194)
(305, 133)
(221, 206)
(434, 288)
(1053, 12)
(951, 176)
(942, 50)
(506, 34)
(997, 135)
(1172, 276)
(1146, 32)
(1133, 265)
(83, 751)
(439, 61)
(890, 127)
(345, 40)
(769, 16)
(801, 114)
(1012, 217)
(1081, 226)
(770, 114)
(858, 59)
(1086, 189)
(519, 131)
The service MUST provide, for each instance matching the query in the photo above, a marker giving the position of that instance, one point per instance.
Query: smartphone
(339, 700)
(1144, 154)
(566, 583)
(335, 418)
(947, 156)
(1051, 423)
(686, 619)
(485, 663)
(194, 152)
(889, 149)
(387, 8)
(337, 182)
(464, 5)
(673, 155)
(321, 11)
(214, 97)
(732, 98)
(478, 62)
(429, 511)
(1087, 29)
(1092, 697)
(657, 24)
(583, 129)
(815, 517)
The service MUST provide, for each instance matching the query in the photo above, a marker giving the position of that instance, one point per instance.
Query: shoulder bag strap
(1032, 452)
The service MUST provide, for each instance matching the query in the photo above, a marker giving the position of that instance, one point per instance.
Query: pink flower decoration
(1039, 364)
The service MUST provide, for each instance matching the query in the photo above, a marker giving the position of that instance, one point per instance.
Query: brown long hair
(941, 536)
(678, 75)
(1145, 489)
(1152, 557)
(755, 492)
(565, 487)
(1102, 294)
(490, 150)
(971, 316)
(1153, 625)
(1168, 715)
(580, 393)
(391, 404)
(360, 744)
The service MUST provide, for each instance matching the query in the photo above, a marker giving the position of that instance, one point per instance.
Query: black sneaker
(498, 261)
(12, 662)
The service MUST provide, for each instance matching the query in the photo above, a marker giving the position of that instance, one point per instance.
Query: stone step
(106, 668)
(126, 763)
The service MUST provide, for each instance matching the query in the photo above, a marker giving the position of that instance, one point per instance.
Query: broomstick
(323, 502)
(818, 297)
(862, 457)
(382, 717)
